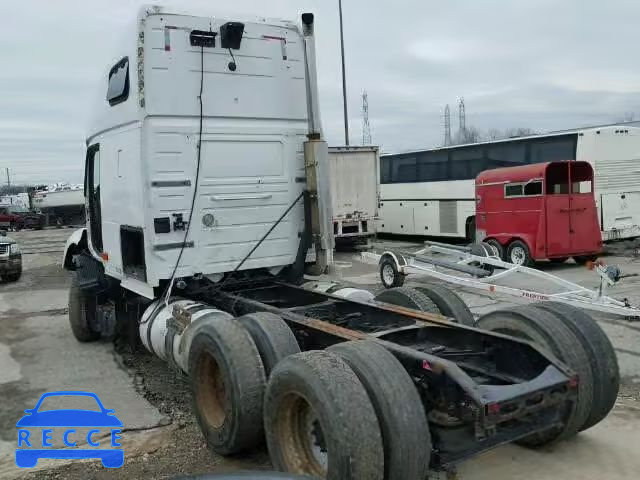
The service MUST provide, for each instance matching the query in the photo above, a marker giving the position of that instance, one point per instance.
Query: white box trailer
(354, 180)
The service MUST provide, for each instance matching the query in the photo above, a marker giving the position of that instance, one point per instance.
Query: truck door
(92, 196)
(557, 209)
(585, 230)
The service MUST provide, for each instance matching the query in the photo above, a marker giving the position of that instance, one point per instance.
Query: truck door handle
(262, 196)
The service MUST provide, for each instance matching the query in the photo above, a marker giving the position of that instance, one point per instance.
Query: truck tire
(602, 357)
(319, 420)
(408, 298)
(272, 336)
(405, 431)
(390, 276)
(82, 311)
(545, 330)
(518, 253)
(228, 383)
(449, 303)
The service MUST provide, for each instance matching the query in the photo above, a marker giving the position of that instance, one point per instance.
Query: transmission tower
(447, 126)
(462, 128)
(366, 128)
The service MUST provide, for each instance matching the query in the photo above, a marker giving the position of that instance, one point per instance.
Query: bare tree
(469, 135)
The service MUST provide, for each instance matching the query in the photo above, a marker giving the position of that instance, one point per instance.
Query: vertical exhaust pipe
(316, 159)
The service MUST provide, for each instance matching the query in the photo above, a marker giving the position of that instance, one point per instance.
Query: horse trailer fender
(76, 242)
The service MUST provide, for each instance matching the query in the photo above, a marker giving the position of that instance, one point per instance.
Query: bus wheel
(390, 276)
(471, 229)
(518, 253)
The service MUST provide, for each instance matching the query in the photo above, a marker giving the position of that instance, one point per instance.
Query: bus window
(467, 163)
(432, 167)
(506, 155)
(403, 170)
(553, 149)
(385, 169)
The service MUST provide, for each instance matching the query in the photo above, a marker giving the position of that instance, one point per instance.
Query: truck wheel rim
(211, 393)
(517, 255)
(388, 274)
(301, 438)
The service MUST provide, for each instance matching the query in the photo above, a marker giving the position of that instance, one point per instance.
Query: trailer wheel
(82, 311)
(389, 274)
(408, 298)
(449, 303)
(543, 328)
(227, 382)
(405, 431)
(272, 336)
(497, 246)
(319, 420)
(518, 253)
(602, 357)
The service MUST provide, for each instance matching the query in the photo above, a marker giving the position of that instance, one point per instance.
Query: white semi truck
(207, 194)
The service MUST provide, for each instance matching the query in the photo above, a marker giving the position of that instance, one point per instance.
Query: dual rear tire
(331, 413)
(575, 339)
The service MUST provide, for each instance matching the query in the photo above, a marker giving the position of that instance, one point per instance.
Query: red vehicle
(539, 211)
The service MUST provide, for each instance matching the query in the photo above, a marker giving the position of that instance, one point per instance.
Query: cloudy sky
(543, 64)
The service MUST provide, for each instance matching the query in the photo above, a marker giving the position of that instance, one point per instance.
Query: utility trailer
(207, 195)
(353, 175)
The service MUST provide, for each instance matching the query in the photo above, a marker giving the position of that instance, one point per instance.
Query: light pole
(344, 80)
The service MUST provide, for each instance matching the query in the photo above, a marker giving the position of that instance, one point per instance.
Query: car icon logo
(29, 452)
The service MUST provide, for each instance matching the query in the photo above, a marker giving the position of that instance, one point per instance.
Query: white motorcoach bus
(431, 192)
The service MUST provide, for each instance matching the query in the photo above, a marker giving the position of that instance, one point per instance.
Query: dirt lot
(161, 440)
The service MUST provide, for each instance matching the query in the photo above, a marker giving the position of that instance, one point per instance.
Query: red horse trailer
(539, 211)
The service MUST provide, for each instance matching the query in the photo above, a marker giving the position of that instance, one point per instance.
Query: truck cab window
(118, 87)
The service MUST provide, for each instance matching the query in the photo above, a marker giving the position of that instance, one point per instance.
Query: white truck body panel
(354, 197)
(252, 163)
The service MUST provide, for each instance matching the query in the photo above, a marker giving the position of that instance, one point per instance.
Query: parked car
(10, 259)
(10, 220)
(29, 219)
